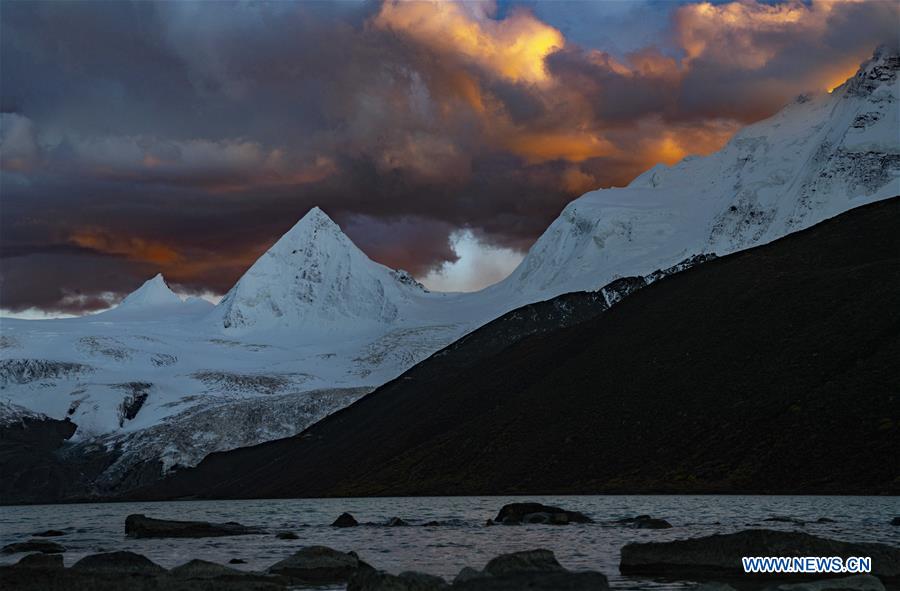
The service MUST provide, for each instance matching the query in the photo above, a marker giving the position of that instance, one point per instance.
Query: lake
(444, 550)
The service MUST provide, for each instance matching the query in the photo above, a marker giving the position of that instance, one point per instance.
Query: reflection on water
(444, 550)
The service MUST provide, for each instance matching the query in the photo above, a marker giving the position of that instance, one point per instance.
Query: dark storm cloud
(186, 137)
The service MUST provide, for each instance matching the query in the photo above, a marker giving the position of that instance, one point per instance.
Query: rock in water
(645, 522)
(721, 554)
(855, 583)
(535, 570)
(514, 513)
(345, 520)
(140, 526)
(372, 580)
(319, 565)
(895, 521)
(287, 535)
(396, 522)
(529, 561)
(467, 574)
(49, 533)
(39, 560)
(118, 563)
(42, 546)
(202, 569)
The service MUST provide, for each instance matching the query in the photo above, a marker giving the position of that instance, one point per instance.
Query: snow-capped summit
(818, 157)
(314, 277)
(153, 293)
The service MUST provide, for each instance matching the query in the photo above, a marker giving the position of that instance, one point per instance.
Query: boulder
(49, 533)
(895, 521)
(287, 535)
(319, 565)
(711, 556)
(553, 581)
(141, 526)
(854, 583)
(237, 561)
(118, 563)
(396, 522)
(345, 520)
(528, 561)
(203, 569)
(515, 513)
(468, 573)
(536, 570)
(43, 546)
(372, 580)
(644, 522)
(39, 560)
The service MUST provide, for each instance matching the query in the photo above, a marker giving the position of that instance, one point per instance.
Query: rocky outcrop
(43, 546)
(141, 526)
(345, 520)
(32, 465)
(319, 565)
(720, 555)
(115, 571)
(24, 371)
(518, 513)
(39, 560)
(372, 580)
(118, 563)
(536, 570)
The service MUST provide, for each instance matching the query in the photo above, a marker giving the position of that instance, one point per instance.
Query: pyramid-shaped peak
(153, 292)
(312, 276)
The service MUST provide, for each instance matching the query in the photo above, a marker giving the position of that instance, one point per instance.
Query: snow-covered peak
(313, 278)
(818, 157)
(153, 293)
(878, 72)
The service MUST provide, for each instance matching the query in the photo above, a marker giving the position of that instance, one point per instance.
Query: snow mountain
(820, 156)
(314, 277)
(157, 383)
(155, 299)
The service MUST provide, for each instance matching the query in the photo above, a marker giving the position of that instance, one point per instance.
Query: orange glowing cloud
(574, 146)
(130, 247)
(513, 48)
(670, 145)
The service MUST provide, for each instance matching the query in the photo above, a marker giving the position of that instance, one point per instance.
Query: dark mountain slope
(770, 370)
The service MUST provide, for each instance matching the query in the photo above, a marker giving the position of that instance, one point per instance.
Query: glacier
(159, 381)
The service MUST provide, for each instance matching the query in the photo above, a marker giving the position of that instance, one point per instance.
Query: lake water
(444, 550)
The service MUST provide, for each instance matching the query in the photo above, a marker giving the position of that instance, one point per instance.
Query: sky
(186, 137)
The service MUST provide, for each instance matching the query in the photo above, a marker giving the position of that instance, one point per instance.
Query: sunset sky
(187, 137)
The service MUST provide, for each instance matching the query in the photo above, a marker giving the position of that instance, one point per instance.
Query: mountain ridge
(314, 330)
(694, 384)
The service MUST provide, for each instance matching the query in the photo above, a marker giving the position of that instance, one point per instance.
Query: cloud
(513, 48)
(186, 137)
(18, 145)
